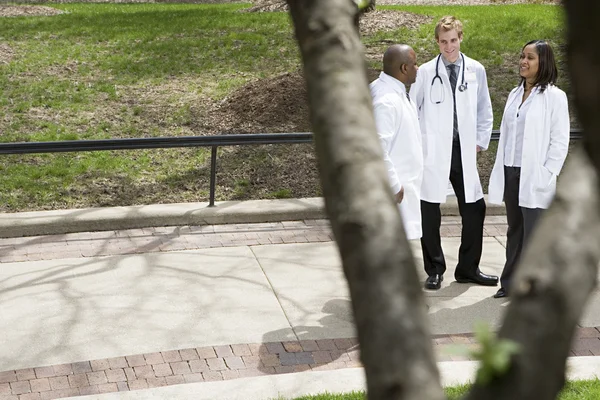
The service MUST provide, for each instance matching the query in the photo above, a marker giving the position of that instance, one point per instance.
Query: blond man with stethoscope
(455, 115)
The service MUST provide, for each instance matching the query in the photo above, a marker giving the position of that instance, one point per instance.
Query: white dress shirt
(515, 117)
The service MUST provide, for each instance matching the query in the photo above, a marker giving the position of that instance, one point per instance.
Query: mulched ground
(6, 53)
(267, 6)
(387, 20)
(27, 11)
(279, 5)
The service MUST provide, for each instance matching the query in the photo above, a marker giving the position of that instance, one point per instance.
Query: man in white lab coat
(455, 114)
(398, 129)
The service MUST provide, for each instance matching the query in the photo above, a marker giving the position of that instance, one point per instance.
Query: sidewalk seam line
(274, 293)
(497, 240)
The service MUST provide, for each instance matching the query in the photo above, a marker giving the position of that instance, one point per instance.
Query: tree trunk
(552, 285)
(386, 294)
(559, 269)
(584, 65)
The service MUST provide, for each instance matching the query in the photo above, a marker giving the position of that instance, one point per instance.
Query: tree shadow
(453, 311)
(312, 347)
(91, 308)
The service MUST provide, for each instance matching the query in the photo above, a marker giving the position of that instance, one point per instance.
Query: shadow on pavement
(312, 347)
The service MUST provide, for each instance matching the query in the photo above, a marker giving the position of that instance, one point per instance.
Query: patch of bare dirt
(278, 104)
(6, 53)
(387, 20)
(267, 6)
(281, 5)
(27, 11)
(371, 22)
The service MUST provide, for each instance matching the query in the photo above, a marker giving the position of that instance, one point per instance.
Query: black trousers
(473, 216)
(521, 222)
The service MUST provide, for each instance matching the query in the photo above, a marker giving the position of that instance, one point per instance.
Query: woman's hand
(400, 195)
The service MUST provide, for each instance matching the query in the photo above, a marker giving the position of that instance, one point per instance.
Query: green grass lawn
(574, 390)
(143, 70)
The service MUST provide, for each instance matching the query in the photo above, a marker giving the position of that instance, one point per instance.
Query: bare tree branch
(386, 294)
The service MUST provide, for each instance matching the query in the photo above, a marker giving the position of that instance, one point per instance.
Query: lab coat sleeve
(485, 116)
(385, 116)
(560, 127)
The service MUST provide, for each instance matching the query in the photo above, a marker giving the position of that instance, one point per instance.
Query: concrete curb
(227, 212)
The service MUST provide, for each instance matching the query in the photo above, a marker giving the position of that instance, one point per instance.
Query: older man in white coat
(398, 128)
(455, 114)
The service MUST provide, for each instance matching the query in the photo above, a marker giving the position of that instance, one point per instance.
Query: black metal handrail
(214, 142)
(161, 142)
(576, 134)
(153, 143)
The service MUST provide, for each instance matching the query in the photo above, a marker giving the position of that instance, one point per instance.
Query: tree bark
(552, 285)
(386, 294)
(584, 65)
(559, 269)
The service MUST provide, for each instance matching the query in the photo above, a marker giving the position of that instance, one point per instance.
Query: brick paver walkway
(140, 371)
(215, 363)
(150, 240)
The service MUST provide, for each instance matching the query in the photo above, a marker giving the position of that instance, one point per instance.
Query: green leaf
(494, 354)
(361, 4)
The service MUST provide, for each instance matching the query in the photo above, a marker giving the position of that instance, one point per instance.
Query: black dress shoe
(501, 293)
(434, 282)
(479, 278)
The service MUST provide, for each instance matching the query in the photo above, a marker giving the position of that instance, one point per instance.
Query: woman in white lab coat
(534, 141)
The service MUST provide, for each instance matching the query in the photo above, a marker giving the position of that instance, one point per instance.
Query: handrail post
(213, 175)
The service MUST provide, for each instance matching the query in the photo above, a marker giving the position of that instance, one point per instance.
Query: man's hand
(400, 196)
(479, 148)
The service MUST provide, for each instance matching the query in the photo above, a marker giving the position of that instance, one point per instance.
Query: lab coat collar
(393, 82)
(457, 62)
(518, 94)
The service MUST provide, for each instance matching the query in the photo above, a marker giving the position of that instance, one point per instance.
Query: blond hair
(448, 23)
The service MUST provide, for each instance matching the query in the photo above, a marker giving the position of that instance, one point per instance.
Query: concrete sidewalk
(206, 309)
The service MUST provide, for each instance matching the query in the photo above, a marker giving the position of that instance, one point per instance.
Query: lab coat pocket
(546, 180)
(428, 150)
(472, 92)
(471, 77)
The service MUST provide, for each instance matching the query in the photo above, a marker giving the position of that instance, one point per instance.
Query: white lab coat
(475, 118)
(545, 147)
(398, 129)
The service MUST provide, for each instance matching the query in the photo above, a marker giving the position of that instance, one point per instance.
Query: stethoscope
(442, 93)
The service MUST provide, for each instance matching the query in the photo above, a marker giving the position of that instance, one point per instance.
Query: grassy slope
(125, 70)
(133, 70)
